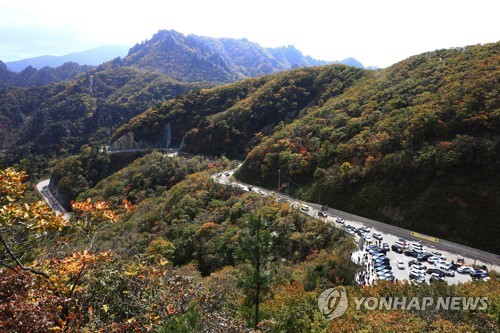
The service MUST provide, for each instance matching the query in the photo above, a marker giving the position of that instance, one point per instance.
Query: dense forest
(414, 145)
(231, 119)
(38, 123)
(170, 250)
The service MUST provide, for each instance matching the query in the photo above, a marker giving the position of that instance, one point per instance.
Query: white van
(400, 244)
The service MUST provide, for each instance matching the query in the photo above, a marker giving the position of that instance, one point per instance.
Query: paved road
(170, 151)
(312, 210)
(43, 188)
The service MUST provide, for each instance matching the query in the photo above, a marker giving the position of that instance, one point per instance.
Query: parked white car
(433, 260)
(439, 255)
(465, 270)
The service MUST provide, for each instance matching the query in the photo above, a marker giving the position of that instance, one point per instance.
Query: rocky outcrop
(128, 141)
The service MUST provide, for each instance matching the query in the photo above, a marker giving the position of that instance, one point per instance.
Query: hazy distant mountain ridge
(91, 57)
(194, 58)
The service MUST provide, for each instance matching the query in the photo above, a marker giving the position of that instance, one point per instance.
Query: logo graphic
(332, 302)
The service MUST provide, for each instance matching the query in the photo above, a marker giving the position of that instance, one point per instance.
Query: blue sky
(376, 32)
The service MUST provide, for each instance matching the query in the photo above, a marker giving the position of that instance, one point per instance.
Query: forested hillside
(230, 119)
(414, 145)
(40, 122)
(52, 112)
(190, 255)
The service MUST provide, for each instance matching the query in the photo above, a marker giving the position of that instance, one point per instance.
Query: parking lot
(402, 272)
(361, 256)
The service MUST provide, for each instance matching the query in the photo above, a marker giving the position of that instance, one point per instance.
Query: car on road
(386, 247)
(419, 266)
(465, 270)
(367, 238)
(412, 262)
(384, 274)
(381, 250)
(390, 278)
(438, 254)
(479, 274)
(377, 235)
(423, 256)
(365, 229)
(436, 278)
(400, 264)
(411, 253)
(446, 272)
(380, 262)
(433, 260)
(381, 259)
(434, 270)
(416, 276)
(351, 232)
(322, 214)
(340, 220)
(397, 249)
(381, 267)
(227, 174)
(304, 208)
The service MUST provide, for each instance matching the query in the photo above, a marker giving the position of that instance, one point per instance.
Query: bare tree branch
(19, 264)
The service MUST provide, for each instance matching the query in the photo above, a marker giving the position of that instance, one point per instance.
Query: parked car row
(381, 263)
(441, 269)
(424, 265)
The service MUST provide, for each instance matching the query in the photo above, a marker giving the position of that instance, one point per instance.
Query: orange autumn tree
(21, 224)
(46, 288)
(93, 218)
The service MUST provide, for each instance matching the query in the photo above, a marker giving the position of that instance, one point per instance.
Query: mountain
(54, 117)
(30, 76)
(198, 59)
(91, 57)
(415, 145)
(351, 62)
(227, 119)
(43, 121)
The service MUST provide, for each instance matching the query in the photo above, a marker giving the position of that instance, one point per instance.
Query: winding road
(331, 216)
(43, 188)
